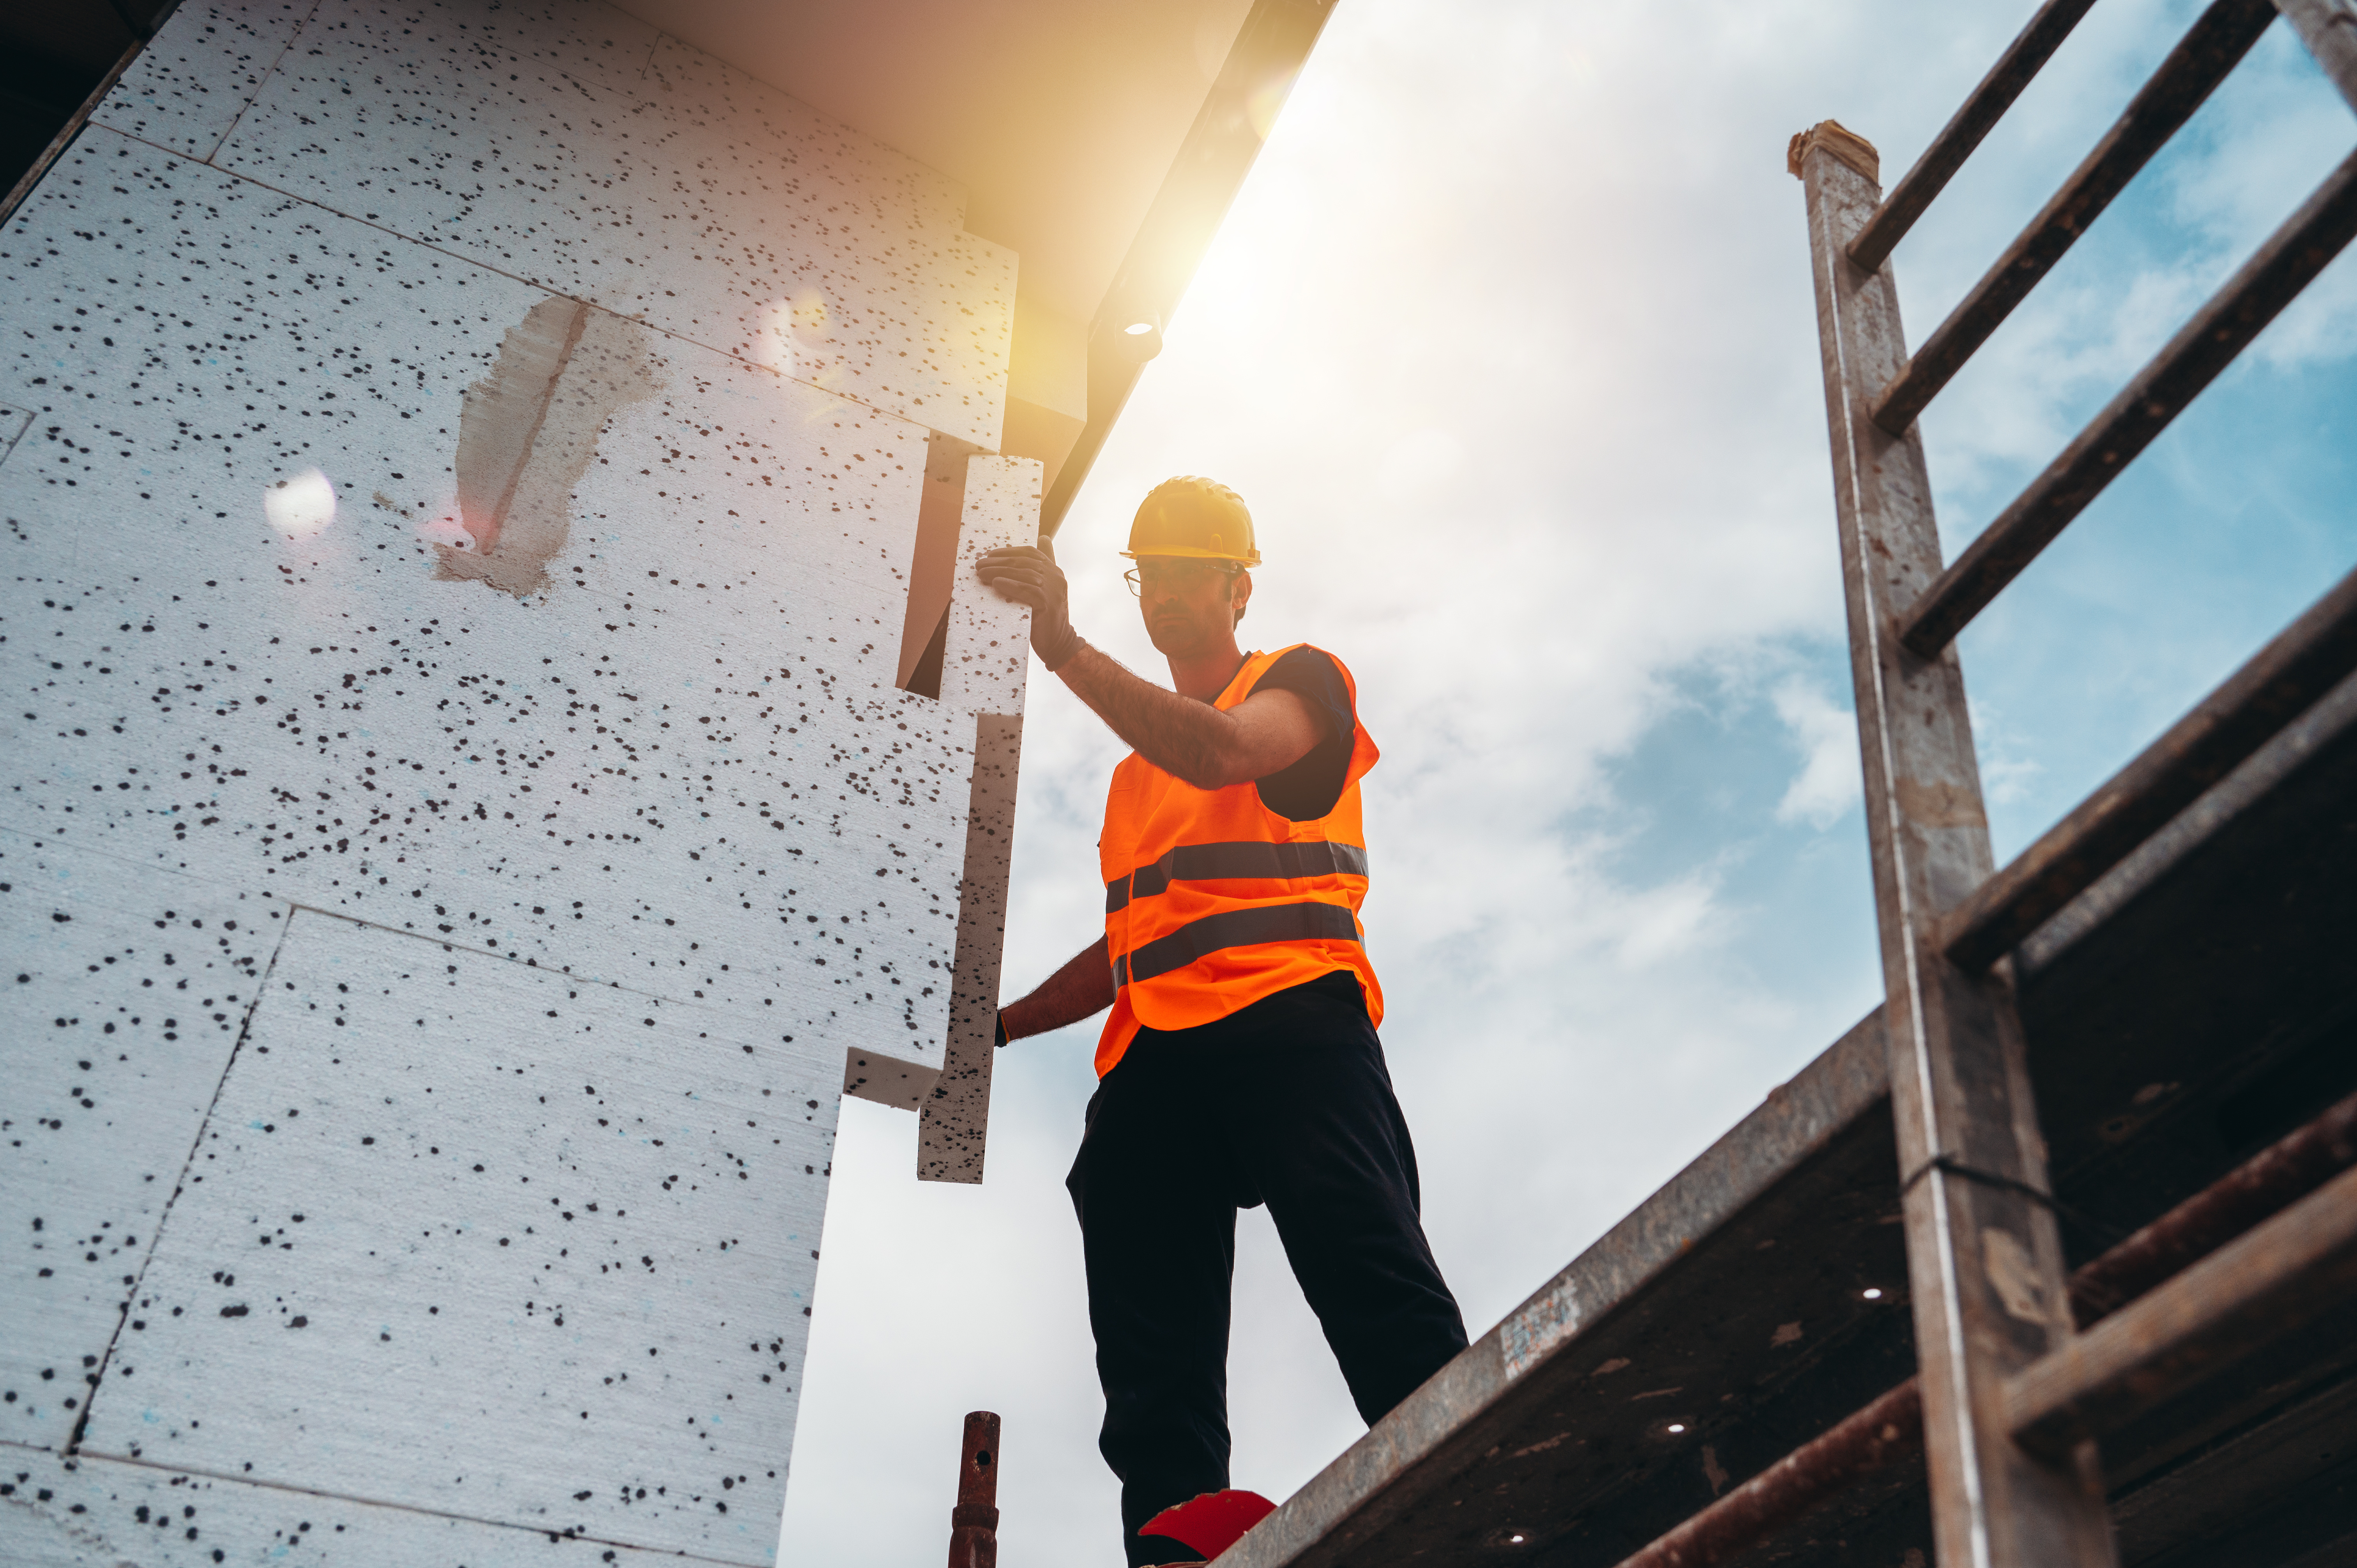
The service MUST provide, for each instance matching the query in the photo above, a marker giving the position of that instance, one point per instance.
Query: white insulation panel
(988, 654)
(125, 996)
(550, 144)
(489, 1241)
(94, 1512)
(461, 466)
(703, 692)
(189, 86)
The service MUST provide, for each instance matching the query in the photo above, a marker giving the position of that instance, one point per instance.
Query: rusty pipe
(1888, 1430)
(1891, 1428)
(973, 1523)
(2274, 1279)
(2255, 1190)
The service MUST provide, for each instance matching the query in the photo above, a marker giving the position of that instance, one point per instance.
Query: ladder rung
(2221, 37)
(2202, 348)
(2022, 59)
(2279, 683)
(2272, 1280)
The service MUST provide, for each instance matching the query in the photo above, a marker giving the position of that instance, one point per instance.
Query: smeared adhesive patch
(528, 433)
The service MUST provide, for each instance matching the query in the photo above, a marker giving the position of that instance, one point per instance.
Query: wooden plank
(2294, 671)
(2217, 42)
(2262, 287)
(2022, 61)
(1985, 1259)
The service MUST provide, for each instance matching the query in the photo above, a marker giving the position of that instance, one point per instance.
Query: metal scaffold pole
(1985, 1257)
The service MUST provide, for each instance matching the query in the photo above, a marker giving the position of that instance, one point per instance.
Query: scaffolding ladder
(2013, 1397)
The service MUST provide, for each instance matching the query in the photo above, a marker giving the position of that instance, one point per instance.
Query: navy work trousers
(1285, 1102)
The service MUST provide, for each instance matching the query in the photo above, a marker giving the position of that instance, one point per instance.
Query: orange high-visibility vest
(1213, 901)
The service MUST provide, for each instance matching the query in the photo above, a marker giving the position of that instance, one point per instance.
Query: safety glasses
(1174, 574)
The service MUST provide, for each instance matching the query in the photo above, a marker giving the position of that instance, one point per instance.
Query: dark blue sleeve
(1309, 789)
(1309, 673)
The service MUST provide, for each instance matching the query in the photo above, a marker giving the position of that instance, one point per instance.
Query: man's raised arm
(1208, 748)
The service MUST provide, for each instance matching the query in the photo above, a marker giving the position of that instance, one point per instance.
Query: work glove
(1029, 575)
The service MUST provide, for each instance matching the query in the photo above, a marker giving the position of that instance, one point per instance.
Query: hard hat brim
(1192, 553)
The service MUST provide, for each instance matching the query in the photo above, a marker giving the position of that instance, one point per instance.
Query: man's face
(1190, 606)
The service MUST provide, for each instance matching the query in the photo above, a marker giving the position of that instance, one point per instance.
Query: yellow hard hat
(1196, 518)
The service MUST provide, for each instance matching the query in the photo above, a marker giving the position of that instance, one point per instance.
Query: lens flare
(1261, 106)
(797, 339)
(300, 504)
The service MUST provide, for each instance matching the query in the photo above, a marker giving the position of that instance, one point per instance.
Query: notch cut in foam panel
(986, 662)
(954, 1121)
(932, 570)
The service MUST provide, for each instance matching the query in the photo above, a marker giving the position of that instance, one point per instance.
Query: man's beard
(1176, 635)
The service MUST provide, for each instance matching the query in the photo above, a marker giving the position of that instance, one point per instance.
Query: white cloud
(1828, 784)
(2008, 771)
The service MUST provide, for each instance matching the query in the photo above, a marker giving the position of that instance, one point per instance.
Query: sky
(1508, 343)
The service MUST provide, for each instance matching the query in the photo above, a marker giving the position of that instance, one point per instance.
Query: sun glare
(300, 504)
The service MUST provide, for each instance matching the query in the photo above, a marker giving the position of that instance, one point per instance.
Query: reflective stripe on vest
(1246, 862)
(1235, 928)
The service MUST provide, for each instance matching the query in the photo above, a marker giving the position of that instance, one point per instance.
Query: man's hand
(1030, 576)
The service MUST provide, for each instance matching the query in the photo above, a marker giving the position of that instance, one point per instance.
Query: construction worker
(1240, 1063)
